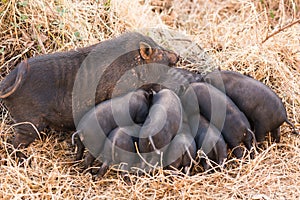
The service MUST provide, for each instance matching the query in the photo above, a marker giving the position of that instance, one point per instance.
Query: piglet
(94, 127)
(210, 140)
(257, 101)
(161, 126)
(119, 148)
(182, 150)
(225, 116)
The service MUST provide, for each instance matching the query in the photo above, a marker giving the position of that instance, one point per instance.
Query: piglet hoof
(89, 160)
(275, 135)
(260, 146)
(79, 146)
(187, 170)
(140, 173)
(205, 164)
(126, 178)
(90, 170)
(252, 155)
(238, 152)
(21, 158)
(102, 170)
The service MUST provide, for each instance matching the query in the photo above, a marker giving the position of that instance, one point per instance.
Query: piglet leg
(80, 146)
(89, 160)
(103, 169)
(260, 132)
(275, 134)
(237, 151)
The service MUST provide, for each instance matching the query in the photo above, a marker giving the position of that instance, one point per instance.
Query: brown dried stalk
(281, 29)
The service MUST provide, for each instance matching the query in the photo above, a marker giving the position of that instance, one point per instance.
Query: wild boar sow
(39, 90)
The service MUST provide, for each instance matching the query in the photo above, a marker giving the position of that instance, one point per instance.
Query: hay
(232, 33)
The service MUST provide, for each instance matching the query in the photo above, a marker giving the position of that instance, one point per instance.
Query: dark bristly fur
(161, 125)
(225, 116)
(258, 102)
(39, 90)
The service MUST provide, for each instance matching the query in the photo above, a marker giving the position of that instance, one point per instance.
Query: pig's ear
(207, 80)
(145, 50)
(151, 94)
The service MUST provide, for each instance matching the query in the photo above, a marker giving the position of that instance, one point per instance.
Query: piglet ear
(207, 80)
(145, 50)
(151, 94)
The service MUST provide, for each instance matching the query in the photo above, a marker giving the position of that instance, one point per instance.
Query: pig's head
(156, 54)
(148, 51)
(215, 78)
(210, 78)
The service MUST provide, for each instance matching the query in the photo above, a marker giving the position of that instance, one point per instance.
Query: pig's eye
(245, 134)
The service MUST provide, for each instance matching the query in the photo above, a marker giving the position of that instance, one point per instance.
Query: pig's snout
(172, 57)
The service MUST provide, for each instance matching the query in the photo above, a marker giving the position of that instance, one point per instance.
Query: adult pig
(40, 90)
(95, 125)
(161, 126)
(225, 116)
(260, 104)
(210, 140)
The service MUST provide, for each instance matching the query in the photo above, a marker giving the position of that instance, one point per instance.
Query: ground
(257, 38)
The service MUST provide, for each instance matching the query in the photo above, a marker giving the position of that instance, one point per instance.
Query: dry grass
(230, 32)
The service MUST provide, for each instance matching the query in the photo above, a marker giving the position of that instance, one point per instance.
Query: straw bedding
(257, 38)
